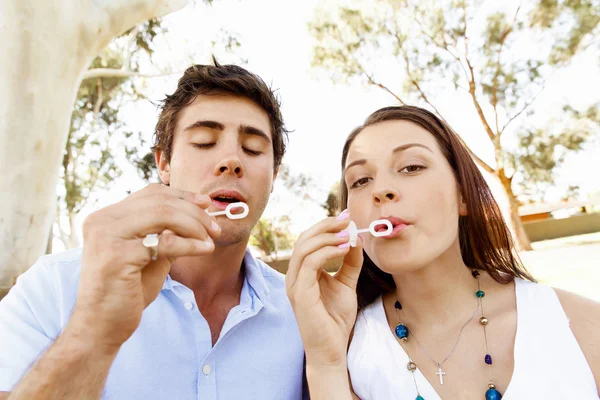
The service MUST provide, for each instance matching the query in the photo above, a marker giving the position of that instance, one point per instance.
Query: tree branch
(378, 84)
(121, 73)
(478, 160)
(499, 68)
(471, 80)
(525, 107)
(100, 98)
(484, 121)
(444, 46)
(110, 18)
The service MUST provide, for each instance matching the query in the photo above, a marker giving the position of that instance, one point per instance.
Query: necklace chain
(439, 364)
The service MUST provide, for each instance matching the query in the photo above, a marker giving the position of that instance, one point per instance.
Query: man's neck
(214, 278)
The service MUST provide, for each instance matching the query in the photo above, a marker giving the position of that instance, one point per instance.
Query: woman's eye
(412, 169)
(360, 182)
(252, 152)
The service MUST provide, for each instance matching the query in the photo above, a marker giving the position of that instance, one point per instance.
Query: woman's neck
(438, 294)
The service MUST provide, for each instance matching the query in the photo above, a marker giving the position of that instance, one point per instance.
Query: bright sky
(276, 42)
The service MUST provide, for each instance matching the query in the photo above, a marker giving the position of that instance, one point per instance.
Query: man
(195, 317)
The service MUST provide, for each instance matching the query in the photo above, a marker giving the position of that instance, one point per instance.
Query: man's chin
(231, 238)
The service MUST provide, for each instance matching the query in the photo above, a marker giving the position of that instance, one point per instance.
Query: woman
(445, 307)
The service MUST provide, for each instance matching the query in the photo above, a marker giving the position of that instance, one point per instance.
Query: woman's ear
(462, 206)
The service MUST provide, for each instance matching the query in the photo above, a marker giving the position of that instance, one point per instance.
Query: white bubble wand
(354, 231)
(228, 211)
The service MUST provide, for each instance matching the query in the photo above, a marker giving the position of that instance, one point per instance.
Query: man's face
(223, 148)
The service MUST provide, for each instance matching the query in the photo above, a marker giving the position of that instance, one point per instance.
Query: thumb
(351, 266)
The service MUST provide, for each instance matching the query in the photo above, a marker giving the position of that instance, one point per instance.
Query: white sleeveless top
(548, 362)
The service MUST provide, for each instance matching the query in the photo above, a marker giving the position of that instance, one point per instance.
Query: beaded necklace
(402, 333)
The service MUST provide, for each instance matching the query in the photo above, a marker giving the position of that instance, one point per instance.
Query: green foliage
(540, 151)
(97, 136)
(332, 203)
(437, 45)
(574, 21)
(271, 236)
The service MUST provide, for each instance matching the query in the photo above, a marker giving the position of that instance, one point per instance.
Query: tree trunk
(73, 238)
(47, 46)
(520, 236)
(49, 244)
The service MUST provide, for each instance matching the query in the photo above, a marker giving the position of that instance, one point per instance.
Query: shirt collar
(253, 276)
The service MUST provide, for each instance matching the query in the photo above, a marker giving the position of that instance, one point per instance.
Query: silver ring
(151, 242)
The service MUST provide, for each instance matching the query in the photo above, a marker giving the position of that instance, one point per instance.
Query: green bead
(419, 398)
(480, 293)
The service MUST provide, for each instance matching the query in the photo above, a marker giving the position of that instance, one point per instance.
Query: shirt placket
(206, 385)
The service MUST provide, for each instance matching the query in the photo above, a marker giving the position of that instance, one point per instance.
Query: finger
(165, 194)
(157, 188)
(153, 278)
(310, 245)
(170, 247)
(313, 265)
(328, 225)
(331, 225)
(157, 218)
(161, 200)
(351, 266)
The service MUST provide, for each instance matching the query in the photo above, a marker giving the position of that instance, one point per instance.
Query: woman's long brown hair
(485, 241)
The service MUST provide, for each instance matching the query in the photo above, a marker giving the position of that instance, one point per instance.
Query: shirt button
(188, 305)
(206, 369)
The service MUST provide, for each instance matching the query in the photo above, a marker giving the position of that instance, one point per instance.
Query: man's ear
(164, 168)
(274, 177)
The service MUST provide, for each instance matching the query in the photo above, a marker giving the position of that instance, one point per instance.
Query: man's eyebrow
(205, 124)
(250, 130)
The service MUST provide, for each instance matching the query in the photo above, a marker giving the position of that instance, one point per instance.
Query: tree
(448, 45)
(272, 236)
(332, 203)
(49, 46)
(541, 151)
(96, 132)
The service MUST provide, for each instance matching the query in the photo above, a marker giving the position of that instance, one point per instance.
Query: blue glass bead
(419, 398)
(488, 359)
(401, 331)
(492, 394)
(480, 293)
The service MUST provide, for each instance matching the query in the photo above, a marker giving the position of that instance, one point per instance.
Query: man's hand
(118, 277)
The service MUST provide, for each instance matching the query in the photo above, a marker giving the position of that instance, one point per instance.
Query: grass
(571, 263)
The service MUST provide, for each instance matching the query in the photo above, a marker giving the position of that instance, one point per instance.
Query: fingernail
(200, 197)
(343, 215)
(206, 245)
(342, 234)
(215, 226)
(344, 245)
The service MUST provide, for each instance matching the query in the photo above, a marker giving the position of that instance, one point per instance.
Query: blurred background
(517, 80)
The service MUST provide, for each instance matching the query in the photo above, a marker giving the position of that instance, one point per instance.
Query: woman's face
(395, 170)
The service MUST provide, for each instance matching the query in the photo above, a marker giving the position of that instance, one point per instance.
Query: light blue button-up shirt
(259, 354)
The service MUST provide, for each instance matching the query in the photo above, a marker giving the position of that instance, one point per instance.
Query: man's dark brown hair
(219, 80)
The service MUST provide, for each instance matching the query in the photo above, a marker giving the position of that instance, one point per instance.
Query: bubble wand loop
(233, 206)
(354, 231)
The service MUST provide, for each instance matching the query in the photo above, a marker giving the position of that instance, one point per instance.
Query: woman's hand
(325, 306)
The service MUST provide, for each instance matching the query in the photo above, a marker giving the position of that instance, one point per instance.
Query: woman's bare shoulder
(584, 318)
